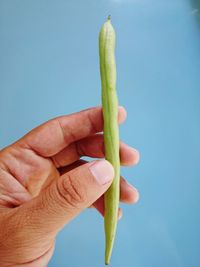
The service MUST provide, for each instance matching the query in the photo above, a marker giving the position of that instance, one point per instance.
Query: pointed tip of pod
(109, 17)
(108, 253)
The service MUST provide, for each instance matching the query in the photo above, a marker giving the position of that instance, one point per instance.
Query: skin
(44, 184)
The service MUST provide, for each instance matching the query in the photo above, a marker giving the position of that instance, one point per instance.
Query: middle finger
(93, 146)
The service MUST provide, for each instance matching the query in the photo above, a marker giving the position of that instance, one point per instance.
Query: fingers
(128, 155)
(54, 135)
(66, 197)
(99, 205)
(128, 194)
(93, 146)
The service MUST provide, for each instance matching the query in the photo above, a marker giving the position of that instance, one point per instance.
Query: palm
(39, 174)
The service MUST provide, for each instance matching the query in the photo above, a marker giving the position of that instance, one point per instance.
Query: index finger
(51, 137)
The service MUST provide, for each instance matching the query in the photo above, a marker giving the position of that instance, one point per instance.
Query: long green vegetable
(111, 130)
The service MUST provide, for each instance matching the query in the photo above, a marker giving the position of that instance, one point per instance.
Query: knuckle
(71, 192)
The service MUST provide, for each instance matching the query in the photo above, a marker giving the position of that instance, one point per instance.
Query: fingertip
(102, 171)
(135, 155)
(120, 214)
(122, 114)
(128, 193)
(134, 195)
(129, 156)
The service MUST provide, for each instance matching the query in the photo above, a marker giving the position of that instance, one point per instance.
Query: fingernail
(132, 187)
(131, 148)
(102, 170)
(137, 155)
(119, 213)
(137, 196)
(136, 193)
(121, 111)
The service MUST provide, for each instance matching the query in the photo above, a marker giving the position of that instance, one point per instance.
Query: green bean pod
(111, 130)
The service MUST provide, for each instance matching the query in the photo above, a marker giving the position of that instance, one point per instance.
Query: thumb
(67, 196)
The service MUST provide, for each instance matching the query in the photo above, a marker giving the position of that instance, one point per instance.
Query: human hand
(44, 184)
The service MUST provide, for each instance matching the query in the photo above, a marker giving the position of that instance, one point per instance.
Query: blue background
(49, 66)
